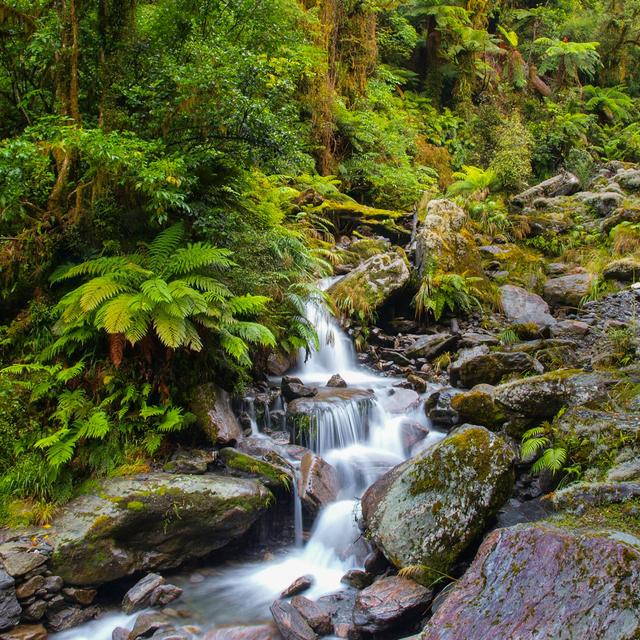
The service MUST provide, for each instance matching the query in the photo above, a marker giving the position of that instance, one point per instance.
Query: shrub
(512, 160)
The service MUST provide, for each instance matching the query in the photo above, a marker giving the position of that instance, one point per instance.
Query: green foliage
(569, 59)
(511, 163)
(165, 287)
(473, 182)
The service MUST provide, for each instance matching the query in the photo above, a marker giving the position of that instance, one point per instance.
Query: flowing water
(361, 440)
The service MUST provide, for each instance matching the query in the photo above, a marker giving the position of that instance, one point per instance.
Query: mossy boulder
(150, 522)
(478, 406)
(371, 283)
(625, 270)
(428, 510)
(541, 397)
(544, 581)
(444, 238)
(274, 473)
(214, 415)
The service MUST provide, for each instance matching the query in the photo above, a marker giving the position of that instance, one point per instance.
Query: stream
(361, 444)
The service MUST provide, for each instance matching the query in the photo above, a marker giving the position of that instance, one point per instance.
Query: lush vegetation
(174, 174)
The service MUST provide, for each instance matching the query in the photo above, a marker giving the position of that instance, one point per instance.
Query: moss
(478, 407)
(623, 517)
(135, 505)
(271, 474)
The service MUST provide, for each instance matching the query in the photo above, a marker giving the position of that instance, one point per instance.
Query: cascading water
(357, 437)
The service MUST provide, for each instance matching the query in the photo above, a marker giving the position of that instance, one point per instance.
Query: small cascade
(249, 407)
(297, 512)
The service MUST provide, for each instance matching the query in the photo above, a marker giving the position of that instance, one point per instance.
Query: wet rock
(318, 482)
(193, 461)
(536, 563)
(541, 397)
(70, 617)
(396, 400)
(298, 586)
(279, 363)
(568, 290)
(431, 346)
(579, 497)
(34, 611)
(563, 184)
(390, 603)
(248, 632)
(444, 237)
(300, 410)
(214, 414)
(9, 607)
(29, 587)
(523, 307)
(336, 380)
(418, 383)
(80, 596)
(430, 508)
(340, 606)
(625, 270)
(293, 388)
(412, 433)
(25, 632)
(164, 594)
(375, 280)
(139, 595)
(120, 633)
(147, 624)
(314, 614)
(438, 407)
(20, 558)
(477, 366)
(275, 473)
(290, 623)
(375, 562)
(478, 406)
(357, 578)
(150, 522)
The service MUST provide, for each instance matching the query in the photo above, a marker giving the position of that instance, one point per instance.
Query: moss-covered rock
(155, 521)
(478, 406)
(371, 283)
(427, 511)
(275, 473)
(214, 415)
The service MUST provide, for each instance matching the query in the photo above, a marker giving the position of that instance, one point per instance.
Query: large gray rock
(478, 367)
(390, 603)
(541, 397)
(429, 509)
(568, 290)
(536, 581)
(629, 179)
(9, 608)
(155, 521)
(212, 408)
(431, 346)
(563, 184)
(444, 238)
(523, 307)
(373, 281)
(602, 203)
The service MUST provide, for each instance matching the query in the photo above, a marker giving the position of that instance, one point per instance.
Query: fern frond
(164, 245)
(252, 332)
(97, 291)
(96, 426)
(247, 304)
(197, 256)
(170, 329)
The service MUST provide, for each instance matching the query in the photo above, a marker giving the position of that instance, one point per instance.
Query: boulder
(602, 203)
(214, 415)
(625, 270)
(397, 400)
(68, 617)
(444, 238)
(429, 509)
(248, 632)
(290, 623)
(477, 366)
(139, 596)
(150, 522)
(568, 290)
(336, 380)
(318, 482)
(194, 461)
(9, 607)
(293, 388)
(147, 624)
(539, 581)
(541, 397)
(629, 179)
(390, 603)
(563, 184)
(523, 307)
(314, 614)
(478, 406)
(431, 346)
(274, 472)
(20, 558)
(374, 281)
(357, 578)
(25, 632)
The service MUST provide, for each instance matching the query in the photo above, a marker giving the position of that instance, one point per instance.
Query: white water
(361, 441)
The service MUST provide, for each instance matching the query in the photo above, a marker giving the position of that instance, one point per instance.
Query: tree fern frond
(252, 332)
(157, 290)
(247, 304)
(236, 347)
(207, 284)
(96, 426)
(197, 256)
(170, 329)
(164, 245)
(97, 291)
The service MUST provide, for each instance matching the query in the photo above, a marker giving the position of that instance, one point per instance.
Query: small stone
(290, 623)
(120, 633)
(196, 578)
(70, 617)
(81, 596)
(315, 615)
(9, 606)
(35, 611)
(18, 561)
(164, 594)
(357, 578)
(147, 624)
(28, 588)
(298, 586)
(139, 596)
(337, 381)
(25, 632)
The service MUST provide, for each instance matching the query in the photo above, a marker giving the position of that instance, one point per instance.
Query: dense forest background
(174, 176)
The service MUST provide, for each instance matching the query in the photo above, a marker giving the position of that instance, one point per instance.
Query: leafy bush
(511, 163)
